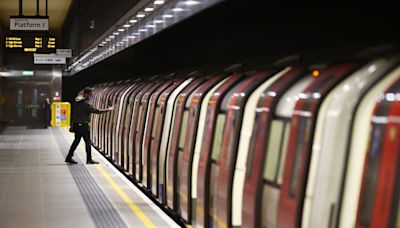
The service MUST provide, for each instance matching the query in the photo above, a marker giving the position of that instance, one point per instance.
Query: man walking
(80, 124)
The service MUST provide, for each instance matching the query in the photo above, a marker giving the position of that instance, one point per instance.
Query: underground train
(279, 146)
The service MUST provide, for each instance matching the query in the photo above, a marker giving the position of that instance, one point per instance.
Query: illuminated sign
(31, 43)
(48, 59)
(29, 24)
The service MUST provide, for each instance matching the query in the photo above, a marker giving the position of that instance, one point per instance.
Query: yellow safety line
(126, 198)
(139, 213)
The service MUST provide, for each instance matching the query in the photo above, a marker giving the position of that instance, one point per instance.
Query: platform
(37, 189)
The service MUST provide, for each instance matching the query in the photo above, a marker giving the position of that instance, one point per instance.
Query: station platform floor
(38, 189)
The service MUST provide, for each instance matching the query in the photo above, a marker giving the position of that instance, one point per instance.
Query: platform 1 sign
(29, 24)
(48, 59)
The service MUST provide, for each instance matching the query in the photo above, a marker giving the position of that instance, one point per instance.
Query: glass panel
(20, 103)
(139, 117)
(218, 137)
(153, 133)
(34, 103)
(274, 149)
(284, 152)
(183, 129)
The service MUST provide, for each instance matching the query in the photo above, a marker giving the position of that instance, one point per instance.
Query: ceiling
(57, 10)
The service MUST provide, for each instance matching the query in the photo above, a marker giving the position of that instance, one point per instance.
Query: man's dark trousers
(81, 131)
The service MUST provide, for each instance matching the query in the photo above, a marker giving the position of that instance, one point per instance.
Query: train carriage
(224, 149)
(254, 134)
(170, 112)
(195, 125)
(149, 132)
(131, 127)
(123, 105)
(156, 134)
(300, 142)
(115, 121)
(203, 147)
(139, 131)
(176, 137)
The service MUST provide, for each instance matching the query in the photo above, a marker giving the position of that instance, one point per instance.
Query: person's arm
(98, 111)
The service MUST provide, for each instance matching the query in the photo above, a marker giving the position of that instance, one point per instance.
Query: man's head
(87, 92)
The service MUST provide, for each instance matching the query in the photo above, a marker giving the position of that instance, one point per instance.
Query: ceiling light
(142, 30)
(159, 2)
(127, 26)
(168, 16)
(151, 26)
(177, 9)
(158, 21)
(148, 9)
(116, 33)
(121, 30)
(191, 2)
(112, 37)
(140, 15)
(132, 21)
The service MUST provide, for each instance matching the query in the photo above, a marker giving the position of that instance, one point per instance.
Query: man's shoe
(71, 161)
(92, 162)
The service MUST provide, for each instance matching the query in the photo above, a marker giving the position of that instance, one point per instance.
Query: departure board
(31, 43)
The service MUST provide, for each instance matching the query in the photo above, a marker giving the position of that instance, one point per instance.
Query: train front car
(203, 152)
(247, 190)
(195, 125)
(328, 159)
(178, 128)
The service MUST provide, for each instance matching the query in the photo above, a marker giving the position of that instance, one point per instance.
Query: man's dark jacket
(82, 110)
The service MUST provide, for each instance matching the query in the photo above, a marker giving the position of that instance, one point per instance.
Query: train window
(371, 174)
(183, 130)
(282, 156)
(139, 117)
(153, 133)
(219, 135)
(274, 148)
